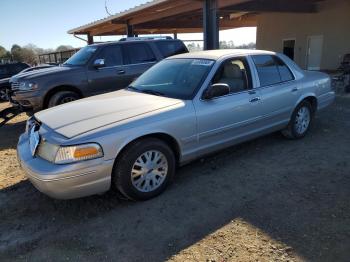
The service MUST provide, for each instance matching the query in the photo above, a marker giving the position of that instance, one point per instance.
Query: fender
(163, 135)
(303, 97)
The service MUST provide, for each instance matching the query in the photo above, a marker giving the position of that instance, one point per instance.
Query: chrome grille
(15, 85)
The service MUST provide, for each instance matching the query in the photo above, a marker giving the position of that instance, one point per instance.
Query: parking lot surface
(270, 199)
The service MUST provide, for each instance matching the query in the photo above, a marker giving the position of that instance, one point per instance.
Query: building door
(289, 47)
(314, 52)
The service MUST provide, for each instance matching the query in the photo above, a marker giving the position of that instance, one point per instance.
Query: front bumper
(27, 100)
(65, 181)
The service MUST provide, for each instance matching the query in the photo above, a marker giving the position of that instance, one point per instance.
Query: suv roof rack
(146, 38)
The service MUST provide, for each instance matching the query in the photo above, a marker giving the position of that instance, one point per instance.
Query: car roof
(134, 41)
(219, 53)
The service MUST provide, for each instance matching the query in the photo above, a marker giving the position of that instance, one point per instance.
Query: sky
(45, 23)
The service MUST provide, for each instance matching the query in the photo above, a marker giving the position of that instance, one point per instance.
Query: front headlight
(27, 86)
(69, 154)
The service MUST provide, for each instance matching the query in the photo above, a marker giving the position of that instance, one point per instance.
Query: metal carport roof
(189, 16)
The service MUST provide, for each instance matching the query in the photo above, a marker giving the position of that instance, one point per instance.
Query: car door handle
(295, 89)
(255, 99)
(121, 72)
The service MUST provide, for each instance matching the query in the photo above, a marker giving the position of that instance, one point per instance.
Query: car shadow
(295, 191)
(9, 134)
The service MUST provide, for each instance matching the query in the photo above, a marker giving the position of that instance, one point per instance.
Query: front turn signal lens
(85, 152)
(71, 154)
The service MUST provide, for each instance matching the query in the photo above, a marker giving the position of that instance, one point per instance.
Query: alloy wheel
(149, 171)
(302, 120)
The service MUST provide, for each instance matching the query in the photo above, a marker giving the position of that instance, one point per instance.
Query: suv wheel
(300, 122)
(144, 169)
(62, 97)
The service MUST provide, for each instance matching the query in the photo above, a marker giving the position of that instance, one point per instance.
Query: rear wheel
(63, 97)
(300, 121)
(144, 169)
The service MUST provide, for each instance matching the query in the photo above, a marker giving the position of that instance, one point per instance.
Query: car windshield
(175, 78)
(82, 56)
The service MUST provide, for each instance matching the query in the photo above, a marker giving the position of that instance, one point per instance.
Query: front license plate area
(34, 140)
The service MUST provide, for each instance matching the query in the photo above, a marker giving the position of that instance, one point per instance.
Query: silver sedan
(181, 109)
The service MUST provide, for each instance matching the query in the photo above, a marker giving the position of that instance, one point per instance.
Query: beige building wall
(332, 21)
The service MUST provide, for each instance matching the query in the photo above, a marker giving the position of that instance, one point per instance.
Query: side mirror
(216, 90)
(98, 63)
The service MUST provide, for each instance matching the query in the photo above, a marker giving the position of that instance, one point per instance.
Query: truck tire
(144, 169)
(62, 97)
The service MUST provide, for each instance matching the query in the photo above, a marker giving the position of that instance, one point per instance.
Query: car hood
(85, 115)
(42, 72)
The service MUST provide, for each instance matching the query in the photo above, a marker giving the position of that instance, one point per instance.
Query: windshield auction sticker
(202, 62)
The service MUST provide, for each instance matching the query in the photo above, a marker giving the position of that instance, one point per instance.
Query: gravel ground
(270, 199)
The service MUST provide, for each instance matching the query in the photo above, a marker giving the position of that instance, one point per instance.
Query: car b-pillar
(210, 24)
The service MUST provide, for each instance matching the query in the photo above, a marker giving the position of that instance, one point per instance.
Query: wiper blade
(152, 92)
(133, 88)
(146, 91)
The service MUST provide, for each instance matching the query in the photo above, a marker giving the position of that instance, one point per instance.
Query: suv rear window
(170, 48)
(16, 68)
(4, 70)
(139, 53)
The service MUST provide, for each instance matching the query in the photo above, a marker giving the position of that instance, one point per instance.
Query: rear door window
(170, 48)
(139, 53)
(285, 73)
(271, 70)
(267, 70)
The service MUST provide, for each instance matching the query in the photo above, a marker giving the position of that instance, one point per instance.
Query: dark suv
(95, 69)
(8, 70)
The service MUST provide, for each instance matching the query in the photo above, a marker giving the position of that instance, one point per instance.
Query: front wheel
(300, 121)
(62, 97)
(144, 169)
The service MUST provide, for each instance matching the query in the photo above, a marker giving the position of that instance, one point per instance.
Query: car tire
(143, 183)
(300, 121)
(62, 97)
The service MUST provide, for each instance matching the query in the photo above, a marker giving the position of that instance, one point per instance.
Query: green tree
(3, 52)
(64, 48)
(29, 56)
(16, 53)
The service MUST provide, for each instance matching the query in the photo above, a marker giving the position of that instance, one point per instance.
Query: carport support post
(90, 39)
(129, 30)
(210, 25)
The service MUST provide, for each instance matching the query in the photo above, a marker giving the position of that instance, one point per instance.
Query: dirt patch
(10, 173)
(270, 199)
